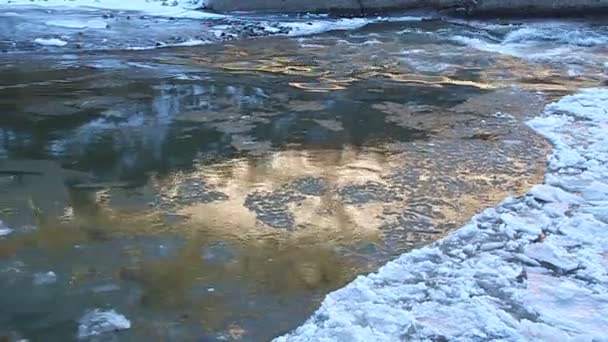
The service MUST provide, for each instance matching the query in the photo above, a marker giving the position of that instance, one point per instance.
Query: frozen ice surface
(534, 268)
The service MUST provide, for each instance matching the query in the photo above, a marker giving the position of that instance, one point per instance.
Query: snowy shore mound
(531, 269)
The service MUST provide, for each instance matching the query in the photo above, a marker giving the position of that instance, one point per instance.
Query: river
(220, 191)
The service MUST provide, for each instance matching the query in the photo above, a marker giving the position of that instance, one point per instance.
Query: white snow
(50, 42)
(97, 322)
(173, 8)
(533, 268)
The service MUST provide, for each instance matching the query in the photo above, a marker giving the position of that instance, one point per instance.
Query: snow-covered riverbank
(531, 269)
(173, 8)
(59, 25)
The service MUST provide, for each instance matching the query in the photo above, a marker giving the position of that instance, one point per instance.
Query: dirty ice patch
(98, 322)
(50, 42)
(533, 268)
(173, 8)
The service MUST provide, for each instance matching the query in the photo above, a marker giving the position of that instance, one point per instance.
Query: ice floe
(50, 42)
(533, 268)
(97, 322)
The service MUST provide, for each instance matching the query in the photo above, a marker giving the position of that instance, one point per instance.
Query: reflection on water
(220, 192)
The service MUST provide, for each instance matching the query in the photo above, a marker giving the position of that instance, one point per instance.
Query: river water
(218, 192)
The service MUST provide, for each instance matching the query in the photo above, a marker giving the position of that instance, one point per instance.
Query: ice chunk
(488, 246)
(550, 193)
(50, 42)
(550, 254)
(568, 305)
(45, 278)
(521, 224)
(4, 229)
(97, 322)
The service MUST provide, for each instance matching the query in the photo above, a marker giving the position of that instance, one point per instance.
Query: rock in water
(97, 322)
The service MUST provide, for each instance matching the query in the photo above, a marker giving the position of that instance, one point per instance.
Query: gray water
(219, 192)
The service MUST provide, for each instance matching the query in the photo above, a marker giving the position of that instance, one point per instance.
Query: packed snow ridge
(534, 268)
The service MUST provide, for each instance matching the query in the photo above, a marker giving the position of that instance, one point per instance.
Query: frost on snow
(534, 268)
(97, 322)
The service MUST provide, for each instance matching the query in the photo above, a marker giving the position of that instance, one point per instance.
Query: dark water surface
(219, 192)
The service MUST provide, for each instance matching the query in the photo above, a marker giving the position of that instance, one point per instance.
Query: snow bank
(97, 322)
(533, 268)
(173, 8)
